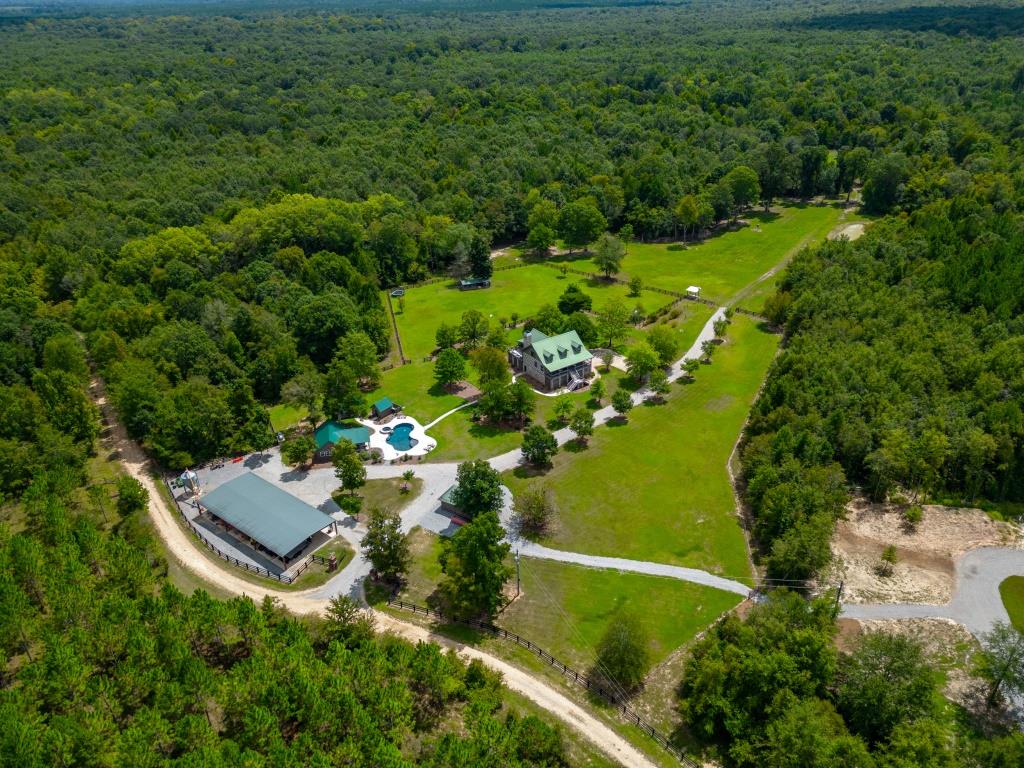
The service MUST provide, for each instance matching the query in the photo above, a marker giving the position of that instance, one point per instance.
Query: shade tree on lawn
(623, 655)
(449, 367)
(478, 488)
(612, 322)
(582, 424)
(597, 390)
(622, 402)
(385, 546)
(609, 253)
(474, 568)
(658, 382)
(665, 341)
(472, 328)
(446, 336)
(641, 360)
(573, 299)
(690, 367)
(491, 366)
(532, 511)
(563, 408)
(513, 403)
(348, 466)
(539, 445)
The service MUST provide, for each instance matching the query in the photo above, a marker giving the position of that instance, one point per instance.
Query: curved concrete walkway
(976, 601)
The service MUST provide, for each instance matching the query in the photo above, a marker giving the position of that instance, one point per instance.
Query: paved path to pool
(445, 415)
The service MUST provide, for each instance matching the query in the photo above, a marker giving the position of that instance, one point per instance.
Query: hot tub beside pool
(401, 438)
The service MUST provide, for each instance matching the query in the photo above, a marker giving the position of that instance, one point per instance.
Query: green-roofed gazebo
(383, 407)
(327, 435)
(272, 518)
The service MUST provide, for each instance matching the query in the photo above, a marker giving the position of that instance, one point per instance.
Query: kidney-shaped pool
(400, 438)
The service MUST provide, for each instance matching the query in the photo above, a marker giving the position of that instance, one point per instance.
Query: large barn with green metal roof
(269, 518)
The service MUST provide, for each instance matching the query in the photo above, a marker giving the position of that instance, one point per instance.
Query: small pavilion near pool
(266, 517)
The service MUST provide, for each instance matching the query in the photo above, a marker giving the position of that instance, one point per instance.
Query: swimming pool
(399, 438)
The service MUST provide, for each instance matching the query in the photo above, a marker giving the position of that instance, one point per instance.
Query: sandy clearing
(849, 231)
(137, 464)
(925, 570)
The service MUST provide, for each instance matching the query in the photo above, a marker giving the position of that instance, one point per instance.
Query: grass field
(387, 493)
(523, 290)
(656, 488)
(724, 264)
(1012, 592)
(565, 608)
(284, 416)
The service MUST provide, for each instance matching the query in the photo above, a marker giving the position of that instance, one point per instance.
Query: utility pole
(518, 580)
(839, 596)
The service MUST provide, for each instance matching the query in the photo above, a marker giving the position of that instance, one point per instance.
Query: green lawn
(284, 416)
(387, 493)
(1012, 592)
(724, 264)
(412, 386)
(523, 290)
(565, 608)
(656, 488)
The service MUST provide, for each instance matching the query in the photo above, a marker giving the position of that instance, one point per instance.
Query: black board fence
(584, 681)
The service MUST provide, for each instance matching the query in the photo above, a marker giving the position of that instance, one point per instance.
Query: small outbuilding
(272, 520)
(384, 407)
(472, 283)
(327, 435)
(693, 292)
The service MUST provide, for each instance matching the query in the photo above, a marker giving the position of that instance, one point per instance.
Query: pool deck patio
(379, 438)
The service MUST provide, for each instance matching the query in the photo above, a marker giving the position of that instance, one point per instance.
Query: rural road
(976, 601)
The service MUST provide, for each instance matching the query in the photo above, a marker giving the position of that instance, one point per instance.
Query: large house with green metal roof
(327, 435)
(552, 362)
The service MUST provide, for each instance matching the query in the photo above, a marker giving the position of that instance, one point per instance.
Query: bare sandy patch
(926, 556)
(849, 231)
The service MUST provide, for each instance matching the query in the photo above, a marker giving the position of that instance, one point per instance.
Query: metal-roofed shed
(269, 516)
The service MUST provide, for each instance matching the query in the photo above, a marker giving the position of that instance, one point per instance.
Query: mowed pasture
(566, 608)
(726, 263)
(656, 487)
(522, 290)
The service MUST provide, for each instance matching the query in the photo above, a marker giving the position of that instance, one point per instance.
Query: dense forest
(203, 208)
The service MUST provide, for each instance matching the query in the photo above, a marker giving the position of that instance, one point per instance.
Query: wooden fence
(594, 686)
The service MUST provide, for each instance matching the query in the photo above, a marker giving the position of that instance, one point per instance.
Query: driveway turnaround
(976, 601)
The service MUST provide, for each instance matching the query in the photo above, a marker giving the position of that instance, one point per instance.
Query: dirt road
(136, 463)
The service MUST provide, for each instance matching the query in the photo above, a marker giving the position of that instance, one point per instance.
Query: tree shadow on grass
(576, 446)
(617, 421)
(529, 471)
